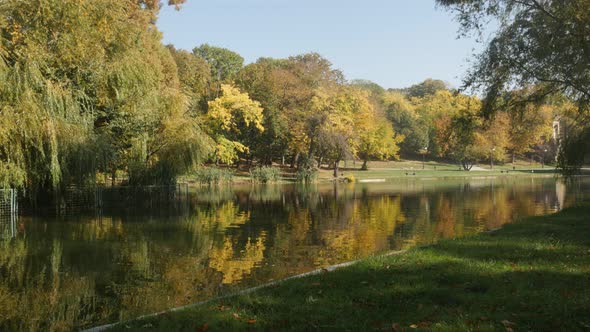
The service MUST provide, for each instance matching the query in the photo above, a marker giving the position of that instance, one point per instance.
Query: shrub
(265, 174)
(349, 178)
(307, 172)
(307, 175)
(213, 175)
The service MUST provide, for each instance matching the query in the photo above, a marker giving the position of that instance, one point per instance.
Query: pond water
(82, 271)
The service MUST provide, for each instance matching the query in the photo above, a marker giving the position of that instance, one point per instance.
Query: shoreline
(467, 274)
(389, 175)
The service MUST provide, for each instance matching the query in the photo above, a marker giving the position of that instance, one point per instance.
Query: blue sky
(394, 43)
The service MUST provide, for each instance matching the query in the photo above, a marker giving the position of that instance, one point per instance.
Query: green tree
(225, 64)
(268, 82)
(408, 122)
(428, 87)
(194, 74)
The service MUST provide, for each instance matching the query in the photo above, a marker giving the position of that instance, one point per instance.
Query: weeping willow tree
(42, 130)
(87, 87)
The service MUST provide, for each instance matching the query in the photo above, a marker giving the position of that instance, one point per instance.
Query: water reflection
(64, 274)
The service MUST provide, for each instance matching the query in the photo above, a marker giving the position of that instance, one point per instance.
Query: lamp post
(424, 151)
(543, 160)
(492, 158)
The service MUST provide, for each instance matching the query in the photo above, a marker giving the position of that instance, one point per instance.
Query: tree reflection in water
(66, 274)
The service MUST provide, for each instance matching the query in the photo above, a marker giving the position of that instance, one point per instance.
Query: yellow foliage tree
(228, 119)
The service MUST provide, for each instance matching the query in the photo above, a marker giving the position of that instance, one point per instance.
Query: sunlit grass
(409, 169)
(433, 169)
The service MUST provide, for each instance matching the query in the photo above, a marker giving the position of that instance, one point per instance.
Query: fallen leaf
(236, 316)
(203, 328)
(424, 324)
(251, 321)
(414, 326)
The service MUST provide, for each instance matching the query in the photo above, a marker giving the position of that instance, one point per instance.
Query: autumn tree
(530, 124)
(492, 139)
(227, 119)
(456, 123)
(377, 139)
(309, 78)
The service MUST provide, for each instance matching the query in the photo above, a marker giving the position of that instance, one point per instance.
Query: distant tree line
(89, 92)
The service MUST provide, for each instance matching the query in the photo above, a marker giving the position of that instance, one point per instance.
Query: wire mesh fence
(128, 199)
(8, 212)
(138, 200)
(163, 199)
(75, 200)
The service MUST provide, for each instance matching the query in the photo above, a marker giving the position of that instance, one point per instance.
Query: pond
(82, 271)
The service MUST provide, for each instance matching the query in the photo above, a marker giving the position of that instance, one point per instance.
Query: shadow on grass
(529, 276)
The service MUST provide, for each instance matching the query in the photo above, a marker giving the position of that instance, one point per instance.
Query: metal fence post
(13, 211)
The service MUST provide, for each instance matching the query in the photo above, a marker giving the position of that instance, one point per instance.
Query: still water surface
(83, 271)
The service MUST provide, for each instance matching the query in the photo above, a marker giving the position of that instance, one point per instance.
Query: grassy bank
(389, 170)
(533, 275)
(435, 170)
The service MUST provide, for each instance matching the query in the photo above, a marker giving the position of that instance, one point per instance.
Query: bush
(307, 172)
(213, 175)
(265, 174)
(307, 175)
(349, 178)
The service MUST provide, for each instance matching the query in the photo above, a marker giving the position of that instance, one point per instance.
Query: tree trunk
(467, 165)
(294, 160)
(365, 166)
(311, 151)
(336, 162)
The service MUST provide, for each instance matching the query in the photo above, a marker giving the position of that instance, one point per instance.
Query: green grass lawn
(530, 276)
(388, 170)
(433, 169)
